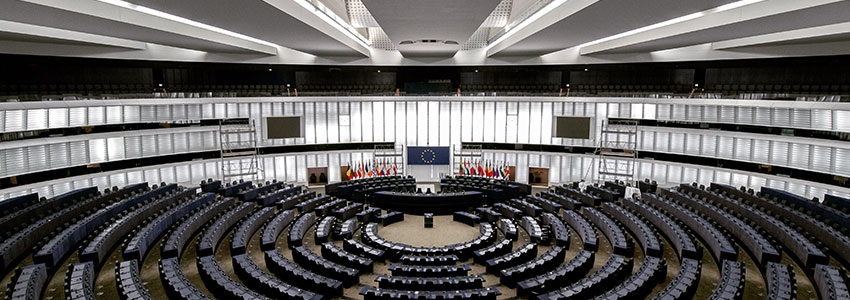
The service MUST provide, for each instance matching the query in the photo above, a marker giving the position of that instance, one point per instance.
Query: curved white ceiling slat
(732, 13)
(301, 32)
(833, 32)
(50, 33)
(128, 13)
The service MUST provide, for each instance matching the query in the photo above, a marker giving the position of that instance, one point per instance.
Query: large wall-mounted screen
(284, 127)
(572, 127)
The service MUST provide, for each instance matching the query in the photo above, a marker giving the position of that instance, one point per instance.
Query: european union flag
(427, 155)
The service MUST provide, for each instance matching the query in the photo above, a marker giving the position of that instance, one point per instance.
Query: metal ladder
(239, 152)
(617, 152)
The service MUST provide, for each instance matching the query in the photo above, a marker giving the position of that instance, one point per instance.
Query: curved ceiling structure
(370, 32)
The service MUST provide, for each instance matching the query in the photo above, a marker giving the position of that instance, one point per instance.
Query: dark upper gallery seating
(289, 242)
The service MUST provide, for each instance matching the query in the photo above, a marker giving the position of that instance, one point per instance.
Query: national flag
(465, 169)
(502, 171)
(507, 172)
(460, 168)
(489, 170)
(492, 169)
(348, 173)
(395, 172)
(480, 169)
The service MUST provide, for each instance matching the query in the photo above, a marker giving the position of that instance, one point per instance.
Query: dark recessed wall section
(687, 159)
(30, 178)
(518, 77)
(682, 78)
(337, 78)
(60, 74)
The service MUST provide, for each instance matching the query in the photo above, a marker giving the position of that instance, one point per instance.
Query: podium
(429, 220)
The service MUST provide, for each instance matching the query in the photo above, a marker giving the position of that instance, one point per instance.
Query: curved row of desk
(287, 242)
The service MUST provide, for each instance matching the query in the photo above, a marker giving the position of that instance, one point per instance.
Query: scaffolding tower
(239, 150)
(617, 152)
(466, 152)
(391, 154)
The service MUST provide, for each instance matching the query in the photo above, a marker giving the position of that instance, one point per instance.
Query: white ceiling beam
(784, 36)
(552, 13)
(305, 12)
(128, 13)
(735, 12)
(68, 35)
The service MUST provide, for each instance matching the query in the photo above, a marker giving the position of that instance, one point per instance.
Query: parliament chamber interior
(419, 150)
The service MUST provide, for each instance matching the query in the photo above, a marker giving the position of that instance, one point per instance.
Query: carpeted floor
(413, 232)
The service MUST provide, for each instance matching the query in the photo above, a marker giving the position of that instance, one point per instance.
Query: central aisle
(413, 232)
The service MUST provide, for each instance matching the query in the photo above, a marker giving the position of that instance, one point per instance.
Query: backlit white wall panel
(564, 168)
(440, 121)
(421, 129)
(436, 121)
(35, 155)
(818, 155)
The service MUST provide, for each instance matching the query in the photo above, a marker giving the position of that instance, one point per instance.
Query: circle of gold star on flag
(432, 158)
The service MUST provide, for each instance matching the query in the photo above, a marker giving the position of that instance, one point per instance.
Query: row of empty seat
(522, 240)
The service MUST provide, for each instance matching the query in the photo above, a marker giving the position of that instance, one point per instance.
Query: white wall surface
(563, 168)
(432, 121)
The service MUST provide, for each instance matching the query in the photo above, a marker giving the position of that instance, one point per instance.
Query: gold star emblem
(431, 157)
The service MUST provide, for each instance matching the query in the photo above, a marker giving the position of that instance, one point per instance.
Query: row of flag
(374, 168)
(488, 168)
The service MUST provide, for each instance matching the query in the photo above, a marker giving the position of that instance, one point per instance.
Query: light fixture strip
(170, 17)
(534, 12)
(325, 13)
(725, 7)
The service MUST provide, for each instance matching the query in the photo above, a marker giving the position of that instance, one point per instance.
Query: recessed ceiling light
(724, 7)
(178, 19)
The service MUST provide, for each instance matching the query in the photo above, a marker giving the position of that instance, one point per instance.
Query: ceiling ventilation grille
(360, 17)
(500, 15)
(497, 19)
(379, 39)
(477, 40)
